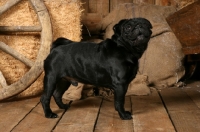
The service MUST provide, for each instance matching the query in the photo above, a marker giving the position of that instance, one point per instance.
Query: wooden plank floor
(167, 110)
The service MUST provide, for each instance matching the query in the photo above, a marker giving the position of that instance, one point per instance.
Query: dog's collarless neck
(127, 47)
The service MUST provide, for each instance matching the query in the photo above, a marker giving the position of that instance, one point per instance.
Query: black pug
(113, 63)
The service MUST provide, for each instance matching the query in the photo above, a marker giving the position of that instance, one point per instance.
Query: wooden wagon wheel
(36, 67)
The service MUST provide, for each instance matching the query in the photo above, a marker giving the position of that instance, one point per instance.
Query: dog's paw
(126, 116)
(51, 115)
(64, 106)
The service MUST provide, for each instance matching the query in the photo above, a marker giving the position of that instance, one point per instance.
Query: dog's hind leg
(49, 87)
(62, 86)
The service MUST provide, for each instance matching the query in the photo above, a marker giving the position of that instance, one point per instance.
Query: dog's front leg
(119, 98)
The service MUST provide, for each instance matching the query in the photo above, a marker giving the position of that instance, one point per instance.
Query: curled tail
(60, 41)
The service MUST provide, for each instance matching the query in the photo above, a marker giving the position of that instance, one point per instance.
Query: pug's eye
(128, 28)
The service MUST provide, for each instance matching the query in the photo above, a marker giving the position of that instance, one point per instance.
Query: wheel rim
(37, 66)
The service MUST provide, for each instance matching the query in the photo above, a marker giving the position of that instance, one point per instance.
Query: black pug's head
(133, 34)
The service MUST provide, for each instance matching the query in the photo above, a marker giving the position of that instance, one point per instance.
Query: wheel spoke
(20, 29)
(8, 5)
(36, 68)
(2, 80)
(15, 54)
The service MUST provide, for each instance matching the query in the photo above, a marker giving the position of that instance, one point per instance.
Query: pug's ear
(117, 27)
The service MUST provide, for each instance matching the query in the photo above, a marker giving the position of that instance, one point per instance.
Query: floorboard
(184, 113)
(109, 120)
(193, 90)
(36, 121)
(81, 116)
(12, 112)
(149, 114)
(166, 110)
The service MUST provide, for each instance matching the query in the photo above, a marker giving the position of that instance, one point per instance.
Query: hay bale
(65, 16)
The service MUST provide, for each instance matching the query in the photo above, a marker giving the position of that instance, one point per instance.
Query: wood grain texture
(149, 115)
(109, 120)
(80, 117)
(186, 26)
(8, 5)
(36, 70)
(168, 110)
(36, 121)
(183, 111)
(12, 112)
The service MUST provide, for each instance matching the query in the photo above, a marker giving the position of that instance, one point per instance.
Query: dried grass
(65, 16)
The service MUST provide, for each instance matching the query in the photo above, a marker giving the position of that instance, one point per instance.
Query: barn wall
(96, 10)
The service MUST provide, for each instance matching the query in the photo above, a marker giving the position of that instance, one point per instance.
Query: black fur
(113, 63)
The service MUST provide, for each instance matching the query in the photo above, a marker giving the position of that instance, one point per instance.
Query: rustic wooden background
(96, 10)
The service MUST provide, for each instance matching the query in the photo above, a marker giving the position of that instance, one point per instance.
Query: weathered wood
(183, 111)
(81, 116)
(100, 7)
(115, 3)
(109, 120)
(15, 54)
(12, 112)
(177, 100)
(46, 34)
(194, 92)
(90, 21)
(8, 5)
(35, 121)
(37, 68)
(85, 6)
(92, 6)
(166, 2)
(149, 114)
(91, 114)
(93, 14)
(144, 1)
(20, 29)
(3, 82)
(186, 26)
(103, 7)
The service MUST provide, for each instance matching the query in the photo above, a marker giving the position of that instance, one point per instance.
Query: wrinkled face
(133, 31)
